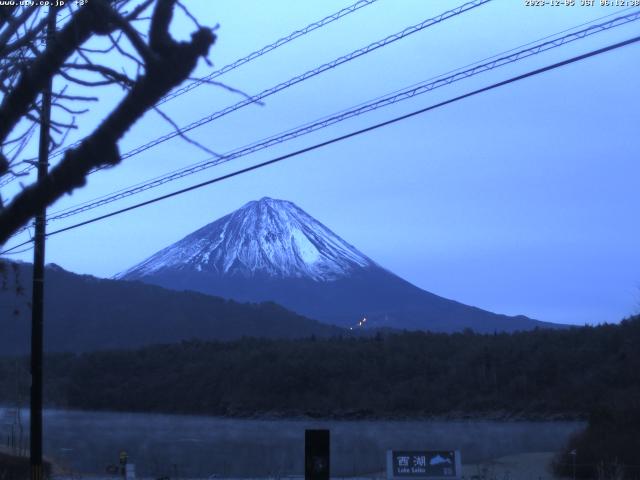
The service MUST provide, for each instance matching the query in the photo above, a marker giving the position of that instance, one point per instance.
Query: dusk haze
(381, 239)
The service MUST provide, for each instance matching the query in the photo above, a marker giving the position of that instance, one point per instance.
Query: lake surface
(196, 446)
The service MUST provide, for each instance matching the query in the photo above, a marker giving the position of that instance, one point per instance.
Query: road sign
(423, 464)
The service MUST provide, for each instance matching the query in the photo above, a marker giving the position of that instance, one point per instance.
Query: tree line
(538, 373)
(585, 372)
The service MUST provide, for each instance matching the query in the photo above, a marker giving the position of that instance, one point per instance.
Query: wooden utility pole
(37, 303)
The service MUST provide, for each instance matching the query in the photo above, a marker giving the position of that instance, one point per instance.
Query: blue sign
(423, 464)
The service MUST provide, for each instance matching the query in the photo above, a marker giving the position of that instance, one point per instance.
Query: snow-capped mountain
(268, 237)
(271, 250)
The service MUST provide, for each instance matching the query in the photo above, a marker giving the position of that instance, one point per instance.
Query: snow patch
(272, 237)
(307, 251)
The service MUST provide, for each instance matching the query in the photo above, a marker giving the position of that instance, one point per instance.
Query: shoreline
(345, 416)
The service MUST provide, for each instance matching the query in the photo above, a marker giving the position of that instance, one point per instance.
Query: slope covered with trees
(85, 313)
(547, 374)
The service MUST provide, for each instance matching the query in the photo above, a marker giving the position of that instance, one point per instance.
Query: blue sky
(522, 200)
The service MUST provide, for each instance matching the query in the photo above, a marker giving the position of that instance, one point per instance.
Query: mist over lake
(199, 446)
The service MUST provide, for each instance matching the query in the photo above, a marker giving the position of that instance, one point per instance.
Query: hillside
(84, 313)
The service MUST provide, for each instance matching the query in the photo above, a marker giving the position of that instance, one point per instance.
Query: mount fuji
(271, 250)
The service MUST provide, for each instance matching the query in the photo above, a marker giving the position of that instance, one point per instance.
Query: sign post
(316, 455)
(423, 465)
(123, 463)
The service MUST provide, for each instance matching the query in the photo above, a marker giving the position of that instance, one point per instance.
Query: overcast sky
(522, 200)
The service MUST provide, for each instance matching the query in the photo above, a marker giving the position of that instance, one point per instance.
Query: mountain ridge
(271, 236)
(86, 313)
(254, 254)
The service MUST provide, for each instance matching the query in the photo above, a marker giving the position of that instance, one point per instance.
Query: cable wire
(207, 162)
(309, 74)
(232, 66)
(297, 79)
(316, 146)
(380, 102)
(266, 49)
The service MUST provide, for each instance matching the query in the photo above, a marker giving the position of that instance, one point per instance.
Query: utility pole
(37, 303)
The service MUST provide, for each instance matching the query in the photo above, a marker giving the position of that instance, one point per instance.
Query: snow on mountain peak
(265, 237)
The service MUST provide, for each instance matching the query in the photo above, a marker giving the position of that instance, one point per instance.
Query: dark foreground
(588, 373)
(543, 374)
(198, 446)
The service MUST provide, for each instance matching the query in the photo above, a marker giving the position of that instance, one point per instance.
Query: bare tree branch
(14, 25)
(167, 65)
(85, 22)
(105, 72)
(182, 135)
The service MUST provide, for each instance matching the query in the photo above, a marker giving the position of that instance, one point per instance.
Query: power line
(316, 146)
(24, 250)
(302, 77)
(380, 102)
(309, 74)
(207, 163)
(231, 66)
(272, 46)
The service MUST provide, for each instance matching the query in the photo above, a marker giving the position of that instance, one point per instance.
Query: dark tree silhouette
(27, 64)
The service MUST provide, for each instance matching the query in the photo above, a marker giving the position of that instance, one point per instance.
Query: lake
(198, 446)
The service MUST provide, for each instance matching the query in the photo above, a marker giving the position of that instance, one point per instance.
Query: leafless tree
(80, 54)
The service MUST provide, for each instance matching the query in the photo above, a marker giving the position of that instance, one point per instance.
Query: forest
(584, 372)
(537, 374)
